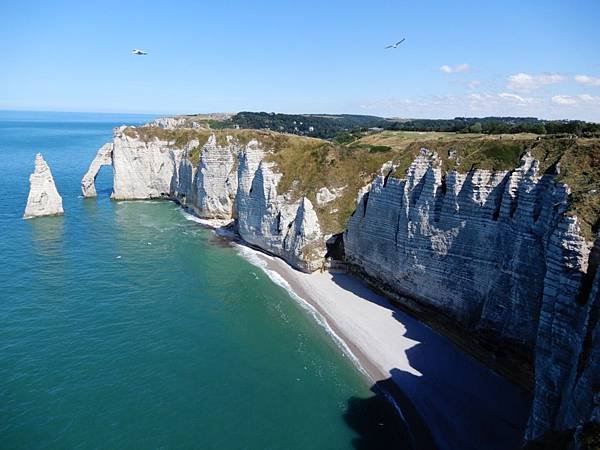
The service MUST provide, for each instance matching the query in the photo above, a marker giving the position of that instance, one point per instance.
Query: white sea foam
(154, 202)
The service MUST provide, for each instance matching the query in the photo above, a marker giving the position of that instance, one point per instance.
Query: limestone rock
(326, 195)
(183, 181)
(275, 223)
(43, 199)
(216, 180)
(168, 123)
(141, 169)
(567, 352)
(103, 158)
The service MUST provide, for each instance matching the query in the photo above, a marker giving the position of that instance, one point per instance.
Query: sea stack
(44, 199)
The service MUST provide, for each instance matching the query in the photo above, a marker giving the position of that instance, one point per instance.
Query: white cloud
(565, 100)
(572, 100)
(587, 80)
(587, 98)
(461, 68)
(513, 97)
(474, 84)
(481, 104)
(525, 82)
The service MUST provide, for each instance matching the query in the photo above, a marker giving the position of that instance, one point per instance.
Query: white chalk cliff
(143, 170)
(496, 252)
(43, 199)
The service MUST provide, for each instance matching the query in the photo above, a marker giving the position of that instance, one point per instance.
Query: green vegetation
(346, 128)
(308, 165)
(498, 125)
(324, 126)
(380, 149)
(178, 137)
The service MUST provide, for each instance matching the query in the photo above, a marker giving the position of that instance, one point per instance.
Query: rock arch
(103, 158)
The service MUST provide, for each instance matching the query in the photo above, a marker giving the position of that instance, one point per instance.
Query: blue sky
(539, 58)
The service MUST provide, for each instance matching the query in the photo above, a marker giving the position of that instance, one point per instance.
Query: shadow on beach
(456, 403)
(384, 423)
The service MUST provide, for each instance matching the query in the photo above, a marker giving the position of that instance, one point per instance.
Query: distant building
(375, 129)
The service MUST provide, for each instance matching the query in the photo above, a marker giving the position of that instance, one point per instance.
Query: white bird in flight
(396, 44)
(138, 52)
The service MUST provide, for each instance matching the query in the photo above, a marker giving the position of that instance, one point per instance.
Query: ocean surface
(126, 325)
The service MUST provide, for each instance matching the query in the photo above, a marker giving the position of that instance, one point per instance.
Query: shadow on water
(456, 403)
(106, 192)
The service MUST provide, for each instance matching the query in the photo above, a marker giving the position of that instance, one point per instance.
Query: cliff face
(231, 181)
(216, 180)
(142, 169)
(497, 254)
(472, 245)
(567, 352)
(275, 222)
(43, 199)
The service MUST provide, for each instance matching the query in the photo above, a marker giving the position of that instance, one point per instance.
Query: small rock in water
(119, 257)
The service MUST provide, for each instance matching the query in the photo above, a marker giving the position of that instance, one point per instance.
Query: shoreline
(445, 397)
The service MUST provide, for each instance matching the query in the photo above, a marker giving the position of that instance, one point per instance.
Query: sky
(460, 58)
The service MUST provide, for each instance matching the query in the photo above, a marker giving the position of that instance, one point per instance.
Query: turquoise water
(124, 325)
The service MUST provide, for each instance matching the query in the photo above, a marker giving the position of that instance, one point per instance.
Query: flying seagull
(138, 52)
(396, 44)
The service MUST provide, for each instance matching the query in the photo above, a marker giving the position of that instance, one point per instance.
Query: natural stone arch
(103, 158)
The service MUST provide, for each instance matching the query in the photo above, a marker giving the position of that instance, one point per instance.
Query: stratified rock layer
(43, 199)
(495, 252)
(567, 351)
(216, 180)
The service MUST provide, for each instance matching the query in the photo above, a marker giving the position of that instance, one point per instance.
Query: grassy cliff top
(308, 164)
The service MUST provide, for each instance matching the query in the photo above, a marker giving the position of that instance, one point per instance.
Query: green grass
(308, 166)
(380, 149)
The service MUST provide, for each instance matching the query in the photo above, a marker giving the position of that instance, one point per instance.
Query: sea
(126, 325)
